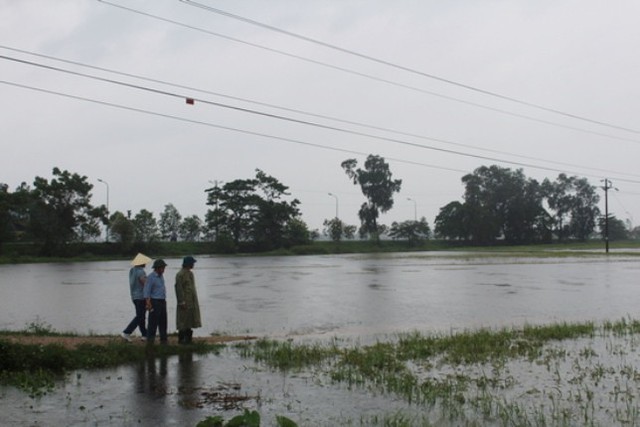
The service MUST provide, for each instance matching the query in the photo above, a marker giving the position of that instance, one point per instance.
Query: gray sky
(579, 57)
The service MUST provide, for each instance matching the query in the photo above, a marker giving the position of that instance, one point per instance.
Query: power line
(284, 118)
(298, 111)
(264, 135)
(361, 74)
(404, 68)
(222, 127)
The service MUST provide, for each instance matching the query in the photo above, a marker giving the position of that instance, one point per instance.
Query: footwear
(126, 337)
(143, 338)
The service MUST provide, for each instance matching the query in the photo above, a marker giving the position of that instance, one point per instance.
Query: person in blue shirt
(155, 295)
(137, 277)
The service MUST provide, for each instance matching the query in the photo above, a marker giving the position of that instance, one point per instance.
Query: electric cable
(280, 117)
(361, 74)
(279, 138)
(298, 111)
(227, 128)
(403, 68)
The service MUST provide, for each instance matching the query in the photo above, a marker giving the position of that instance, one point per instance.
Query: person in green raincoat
(188, 312)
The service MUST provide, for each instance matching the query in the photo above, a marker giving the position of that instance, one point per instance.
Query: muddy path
(73, 341)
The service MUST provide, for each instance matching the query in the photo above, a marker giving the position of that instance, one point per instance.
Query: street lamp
(415, 208)
(333, 195)
(107, 184)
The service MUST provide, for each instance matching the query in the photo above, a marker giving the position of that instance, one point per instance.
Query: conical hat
(140, 259)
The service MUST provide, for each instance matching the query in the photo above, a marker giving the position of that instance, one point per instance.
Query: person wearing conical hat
(137, 278)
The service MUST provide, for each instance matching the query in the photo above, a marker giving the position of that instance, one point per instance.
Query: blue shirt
(135, 284)
(154, 287)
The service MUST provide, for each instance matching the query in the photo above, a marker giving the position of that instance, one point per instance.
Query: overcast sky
(438, 88)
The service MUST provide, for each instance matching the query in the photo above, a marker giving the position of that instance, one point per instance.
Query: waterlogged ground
(354, 300)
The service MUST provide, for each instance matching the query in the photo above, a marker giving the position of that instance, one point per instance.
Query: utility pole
(606, 188)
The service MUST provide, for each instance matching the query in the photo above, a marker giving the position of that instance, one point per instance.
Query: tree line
(259, 214)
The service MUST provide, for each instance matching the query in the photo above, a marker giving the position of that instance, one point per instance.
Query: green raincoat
(188, 311)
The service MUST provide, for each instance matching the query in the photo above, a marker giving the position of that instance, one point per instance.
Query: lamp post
(336, 197)
(107, 184)
(415, 209)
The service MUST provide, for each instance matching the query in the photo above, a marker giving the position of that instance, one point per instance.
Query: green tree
(616, 228)
(234, 209)
(412, 231)
(336, 229)
(191, 228)
(7, 231)
(501, 203)
(296, 232)
(169, 224)
(573, 202)
(62, 212)
(123, 230)
(377, 185)
(252, 210)
(272, 213)
(452, 222)
(146, 227)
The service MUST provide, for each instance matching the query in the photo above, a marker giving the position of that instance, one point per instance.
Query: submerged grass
(35, 367)
(558, 374)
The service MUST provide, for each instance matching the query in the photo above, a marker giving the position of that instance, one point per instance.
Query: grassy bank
(28, 253)
(35, 367)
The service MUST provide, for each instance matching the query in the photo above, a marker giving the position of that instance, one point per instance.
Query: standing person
(155, 294)
(137, 277)
(188, 312)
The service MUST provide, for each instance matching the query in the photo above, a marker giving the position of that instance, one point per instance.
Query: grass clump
(35, 367)
(486, 376)
(285, 355)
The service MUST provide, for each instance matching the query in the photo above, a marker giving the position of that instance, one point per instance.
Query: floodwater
(358, 298)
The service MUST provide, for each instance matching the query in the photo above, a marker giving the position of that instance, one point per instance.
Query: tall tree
(234, 209)
(252, 210)
(272, 213)
(503, 204)
(336, 229)
(170, 220)
(453, 222)
(122, 230)
(377, 185)
(573, 202)
(616, 227)
(62, 211)
(412, 231)
(191, 228)
(7, 231)
(146, 227)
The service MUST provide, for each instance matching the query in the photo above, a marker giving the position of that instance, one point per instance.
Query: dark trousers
(157, 320)
(139, 320)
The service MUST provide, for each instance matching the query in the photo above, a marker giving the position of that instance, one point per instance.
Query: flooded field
(355, 300)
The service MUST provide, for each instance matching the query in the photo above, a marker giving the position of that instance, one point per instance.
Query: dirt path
(72, 342)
